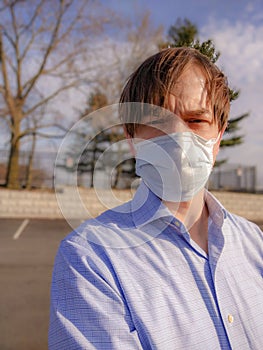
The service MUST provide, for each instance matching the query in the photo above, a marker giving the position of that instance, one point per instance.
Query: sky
(236, 28)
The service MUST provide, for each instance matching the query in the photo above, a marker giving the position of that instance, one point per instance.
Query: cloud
(241, 47)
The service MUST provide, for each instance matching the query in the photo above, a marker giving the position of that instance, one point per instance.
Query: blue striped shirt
(132, 278)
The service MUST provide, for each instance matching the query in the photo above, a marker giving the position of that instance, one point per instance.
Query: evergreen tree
(90, 140)
(185, 33)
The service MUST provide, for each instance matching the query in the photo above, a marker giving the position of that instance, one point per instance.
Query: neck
(194, 215)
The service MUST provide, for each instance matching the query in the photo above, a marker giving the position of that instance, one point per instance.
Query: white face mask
(175, 166)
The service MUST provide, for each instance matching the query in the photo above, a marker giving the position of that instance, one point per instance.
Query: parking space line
(21, 229)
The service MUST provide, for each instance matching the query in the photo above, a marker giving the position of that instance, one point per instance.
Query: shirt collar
(217, 212)
(147, 207)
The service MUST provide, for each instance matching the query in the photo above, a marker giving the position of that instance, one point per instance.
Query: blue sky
(166, 12)
(236, 27)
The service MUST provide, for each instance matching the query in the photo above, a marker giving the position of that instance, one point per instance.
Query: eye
(195, 121)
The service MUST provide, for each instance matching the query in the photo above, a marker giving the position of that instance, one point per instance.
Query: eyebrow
(200, 111)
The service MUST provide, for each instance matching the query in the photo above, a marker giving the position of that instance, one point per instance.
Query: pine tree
(90, 140)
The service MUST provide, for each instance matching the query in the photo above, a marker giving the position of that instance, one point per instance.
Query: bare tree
(44, 51)
(29, 168)
(139, 39)
(35, 130)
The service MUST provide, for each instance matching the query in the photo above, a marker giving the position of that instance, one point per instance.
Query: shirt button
(177, 223)
(230, 318)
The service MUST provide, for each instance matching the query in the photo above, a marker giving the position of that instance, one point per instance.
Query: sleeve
(87, 309)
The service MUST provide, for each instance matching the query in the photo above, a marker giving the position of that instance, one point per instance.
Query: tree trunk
(30, 164)
(12, 176)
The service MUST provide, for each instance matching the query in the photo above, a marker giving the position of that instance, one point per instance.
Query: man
(172, 268)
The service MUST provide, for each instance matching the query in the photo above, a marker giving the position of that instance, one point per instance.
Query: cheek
(215, 151)
(217, 145)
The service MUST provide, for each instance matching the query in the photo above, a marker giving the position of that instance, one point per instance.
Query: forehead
(191, 83)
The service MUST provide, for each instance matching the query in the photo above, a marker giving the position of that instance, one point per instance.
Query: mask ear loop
(221, 133)
(215, 140)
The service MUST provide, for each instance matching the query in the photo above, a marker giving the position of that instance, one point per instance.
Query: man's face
(188, 102)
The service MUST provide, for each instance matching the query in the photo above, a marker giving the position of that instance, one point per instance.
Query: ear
(129, 139)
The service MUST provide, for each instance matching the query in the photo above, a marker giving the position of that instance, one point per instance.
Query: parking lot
(27, 251)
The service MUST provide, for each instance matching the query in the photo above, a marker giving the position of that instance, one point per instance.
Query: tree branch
(34, 17)
(49, 49)
(6, 87)
(35, 131)
(17, 53)
(50, 97)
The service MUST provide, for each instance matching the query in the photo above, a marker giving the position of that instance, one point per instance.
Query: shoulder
(244, 226)
(112, 229)
(232, 222)
(248, 241)
(85, 249)
(246, 238)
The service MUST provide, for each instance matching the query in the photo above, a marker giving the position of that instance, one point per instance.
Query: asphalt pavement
(27, 251)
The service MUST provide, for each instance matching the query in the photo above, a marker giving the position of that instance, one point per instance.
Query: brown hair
(154, 79)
